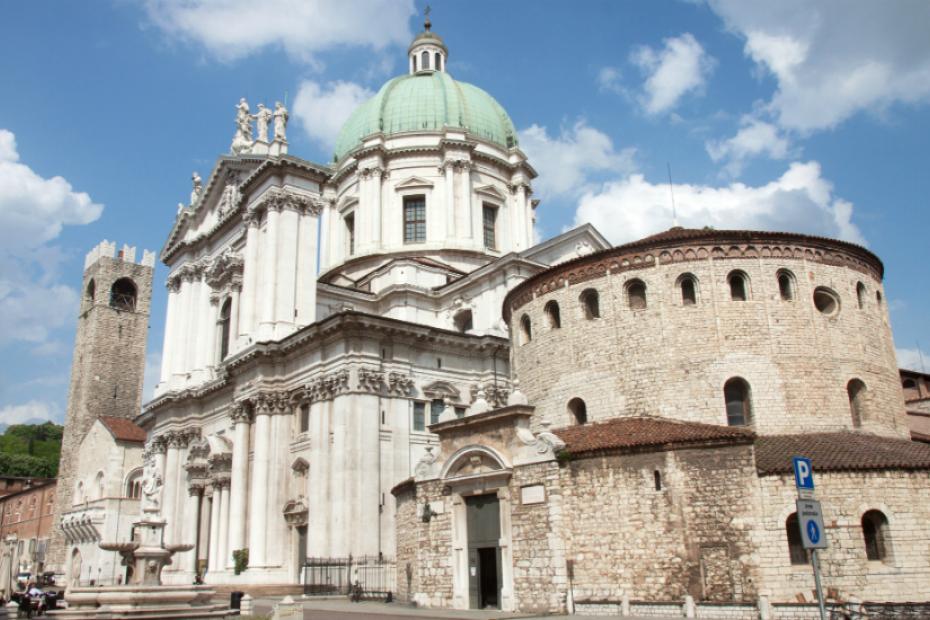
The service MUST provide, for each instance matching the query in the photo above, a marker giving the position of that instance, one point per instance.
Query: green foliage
(30, 450)
(241, 560)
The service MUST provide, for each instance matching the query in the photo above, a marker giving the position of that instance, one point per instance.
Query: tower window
(123, 295)
(736, 395)
(91, 290)
(688, 291)
(738, 288)
(578, 410)
(860, 294)
(425, 60)
(414, 219)
(552, 314)
(785, 285)
(826, 301)
(225, 313)
(875, 533)
(796, 551)
(134, 486)
(657, 479)
(636, 294)
(526, 330)
(490, 226)
(590, 304)
(855, 390)
(438, 62)
(350, 234)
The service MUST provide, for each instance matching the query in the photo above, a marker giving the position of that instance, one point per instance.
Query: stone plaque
(534, 494)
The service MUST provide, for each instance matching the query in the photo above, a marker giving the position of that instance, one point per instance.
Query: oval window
(826, 301)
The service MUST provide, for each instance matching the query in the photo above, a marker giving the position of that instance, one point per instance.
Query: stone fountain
(144, 596)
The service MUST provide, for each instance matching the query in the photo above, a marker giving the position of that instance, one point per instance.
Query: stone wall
(671, 359)
(691, 537)
(407, 523)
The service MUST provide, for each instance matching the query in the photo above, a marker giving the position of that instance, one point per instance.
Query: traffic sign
(810, 521)
(803, 473)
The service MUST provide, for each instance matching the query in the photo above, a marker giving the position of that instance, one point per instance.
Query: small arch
(424, 62)
(463, 454)
(590, 304)
(438, 62)
(224, 325)
(739, 285)
(463, 321)
(860, 294)
(526, 330)
(786, 285)
(856, 391)
(578, 410)
(551, 309)
(79, 492)
(91, 290)
(133, 487)
(688, 285)
(123, 295)
(876, 536)
(826, 301)
(636, 294)
(796, 551)
(98, 486)
(736, 395)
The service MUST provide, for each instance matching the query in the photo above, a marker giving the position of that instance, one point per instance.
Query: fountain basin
(142, 602)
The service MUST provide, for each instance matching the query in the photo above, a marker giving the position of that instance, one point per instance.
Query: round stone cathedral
(480, 420)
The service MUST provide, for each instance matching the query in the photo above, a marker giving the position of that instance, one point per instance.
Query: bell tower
(109, 358)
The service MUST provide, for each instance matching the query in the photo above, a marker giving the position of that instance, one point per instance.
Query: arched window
(688, 290)
(578, 411)
(878, 297)
(739, 408)
(738, 286)
(826, 301)
(79, 493)
(98, 486)
(303, 418)
(123, 295)
(424, 60)
(590, 304)
(526, 329)
(636, 294)
(134, 485)
(414, 63)
(855, 389)
(552, 314)
(438, 63)
(225, 313)
(463, 321)
(796, 550)
(875, 533)
(785, 285)
(91, 290)
(657, 479)
(860, 294)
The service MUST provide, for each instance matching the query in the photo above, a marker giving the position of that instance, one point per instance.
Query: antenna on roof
(671, 191)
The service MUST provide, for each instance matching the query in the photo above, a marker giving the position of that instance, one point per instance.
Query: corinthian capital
(240, 413)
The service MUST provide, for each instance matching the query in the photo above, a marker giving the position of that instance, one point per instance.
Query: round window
(826, 301)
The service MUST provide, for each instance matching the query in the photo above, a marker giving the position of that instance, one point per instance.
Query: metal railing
(373, 576)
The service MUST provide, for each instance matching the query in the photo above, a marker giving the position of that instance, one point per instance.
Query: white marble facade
(308, 344)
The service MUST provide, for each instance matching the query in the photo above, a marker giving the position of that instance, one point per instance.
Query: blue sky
(810, 117)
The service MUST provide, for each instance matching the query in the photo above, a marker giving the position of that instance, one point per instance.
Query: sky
(791, 115)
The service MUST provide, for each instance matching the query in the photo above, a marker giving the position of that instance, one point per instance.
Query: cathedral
(374, 357)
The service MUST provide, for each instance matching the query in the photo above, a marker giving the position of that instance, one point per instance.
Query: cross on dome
(427, 52)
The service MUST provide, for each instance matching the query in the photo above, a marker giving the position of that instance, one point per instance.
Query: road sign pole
(816, 562)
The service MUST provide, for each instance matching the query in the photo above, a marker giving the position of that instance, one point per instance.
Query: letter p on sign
(803, 473)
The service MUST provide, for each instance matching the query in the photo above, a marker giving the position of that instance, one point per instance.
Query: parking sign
(803, 473)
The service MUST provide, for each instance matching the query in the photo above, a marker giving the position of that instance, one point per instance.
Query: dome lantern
(427, 53)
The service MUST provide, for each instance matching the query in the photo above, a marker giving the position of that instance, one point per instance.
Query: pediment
(441, 389)
(413, 183)
(490, 191)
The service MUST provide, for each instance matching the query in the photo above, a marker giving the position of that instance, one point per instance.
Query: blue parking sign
(803, 473)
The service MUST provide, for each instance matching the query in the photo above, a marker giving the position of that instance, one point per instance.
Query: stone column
(238, 491)
(278, 473)
(325, 237)
(211, 329)
(223, 550)
(269, 271)
(181, 333)
(234, 289)
(204, 320)
(286, 270)
(213, 557)
(250, 270)
(307, 266)
(203, 540)
(258, 526)
(167, 352)
(193, 328)
(376, 212)
(191, 522)
(170, 489)
(450, 199)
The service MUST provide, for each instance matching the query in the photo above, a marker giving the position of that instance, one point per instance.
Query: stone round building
(775, 331)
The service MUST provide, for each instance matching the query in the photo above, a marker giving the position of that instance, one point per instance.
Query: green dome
(427, 101)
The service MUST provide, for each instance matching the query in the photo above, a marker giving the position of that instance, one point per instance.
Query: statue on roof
(197, 188)
(262, 118)
(280, 122)
(242, 141)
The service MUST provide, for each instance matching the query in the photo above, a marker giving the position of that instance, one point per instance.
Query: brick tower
(109, 359)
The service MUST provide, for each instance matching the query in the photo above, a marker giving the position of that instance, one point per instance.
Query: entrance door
(301, 550)
(484, 555)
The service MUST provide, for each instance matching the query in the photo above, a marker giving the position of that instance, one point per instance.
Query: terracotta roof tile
(840, 452)
(642, 432)
(123, 429)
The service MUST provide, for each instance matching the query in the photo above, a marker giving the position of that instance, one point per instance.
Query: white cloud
(680, 67)
(834, 58)
(801, 200)
(754, 138)
(608, 79)
(913, 359)
(322, 110)
(566, 162)
(152, 375)
(33, 211)
(232, 29)
(33, 411)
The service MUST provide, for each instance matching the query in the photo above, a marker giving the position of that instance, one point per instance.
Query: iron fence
(372, 576)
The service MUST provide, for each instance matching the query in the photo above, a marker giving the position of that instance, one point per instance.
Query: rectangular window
(414, 219)
(490, 227)
(435, 410)
(305, 417)
(350, 234)
(419, 416)
(460, 412)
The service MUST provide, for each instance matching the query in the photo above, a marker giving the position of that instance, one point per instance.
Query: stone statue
(197, 188)
(280, 122)
(151, 490)
(262, 118)
(242, 141)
